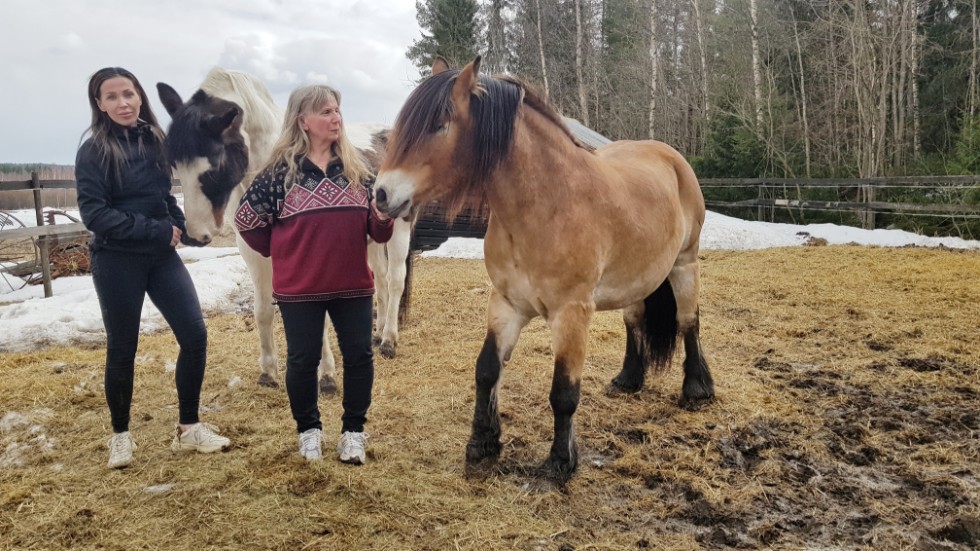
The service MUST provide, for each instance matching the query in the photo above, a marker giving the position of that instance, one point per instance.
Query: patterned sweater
(316, 233)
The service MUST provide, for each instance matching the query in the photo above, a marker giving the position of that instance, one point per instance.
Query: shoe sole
(199, 449)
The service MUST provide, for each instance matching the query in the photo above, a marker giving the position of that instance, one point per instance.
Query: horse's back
(262, 118)
(657, 173)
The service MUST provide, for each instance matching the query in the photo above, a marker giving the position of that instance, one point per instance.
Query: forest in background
(749, 88)
(745, 88)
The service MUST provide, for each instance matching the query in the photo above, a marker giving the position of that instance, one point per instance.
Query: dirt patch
(846, 418)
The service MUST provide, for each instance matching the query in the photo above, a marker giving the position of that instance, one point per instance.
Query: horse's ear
(439, 65)
(467, 83)
(228, 120)
(169, 97)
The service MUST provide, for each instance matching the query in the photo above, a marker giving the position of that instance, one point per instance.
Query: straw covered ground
(846, 418)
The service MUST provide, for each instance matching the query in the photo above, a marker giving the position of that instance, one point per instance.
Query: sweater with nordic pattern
(316, 232)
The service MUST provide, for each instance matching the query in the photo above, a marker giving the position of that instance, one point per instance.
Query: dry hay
(846, 417)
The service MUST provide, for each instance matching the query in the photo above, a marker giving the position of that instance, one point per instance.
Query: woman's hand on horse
(377, 213)
(176, 237)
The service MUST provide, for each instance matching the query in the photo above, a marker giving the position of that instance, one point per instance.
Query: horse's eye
(443, 128)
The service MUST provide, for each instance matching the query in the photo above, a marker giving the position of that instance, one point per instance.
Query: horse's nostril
(381, 196)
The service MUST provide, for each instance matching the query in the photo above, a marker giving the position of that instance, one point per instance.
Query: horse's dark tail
(660, 327)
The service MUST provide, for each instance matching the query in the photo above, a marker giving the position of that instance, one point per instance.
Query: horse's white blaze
(399, 189)
(201, 222)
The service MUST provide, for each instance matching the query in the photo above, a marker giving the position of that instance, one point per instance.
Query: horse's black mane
(493, 111)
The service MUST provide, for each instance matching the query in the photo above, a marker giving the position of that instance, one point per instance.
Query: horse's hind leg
(504, 326)
(698, 386)
(651, 336)
(630, 379)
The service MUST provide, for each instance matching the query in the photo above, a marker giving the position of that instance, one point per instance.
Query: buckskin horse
(217, 141)
(571, 232)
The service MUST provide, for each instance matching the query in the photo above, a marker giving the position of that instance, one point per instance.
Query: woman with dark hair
(124, 197)
(309, 210)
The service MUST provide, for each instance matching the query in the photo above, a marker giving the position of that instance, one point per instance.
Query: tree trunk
(975, 61)
(544, 67)
(756, 62)
(803, 113)
(579, 62)
(703, 109)
(654, 71)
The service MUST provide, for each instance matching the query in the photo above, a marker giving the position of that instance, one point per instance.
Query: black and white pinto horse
(217, 141)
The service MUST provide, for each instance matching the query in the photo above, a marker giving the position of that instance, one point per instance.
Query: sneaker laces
(118, 444)
(309, 441)
(354, 441)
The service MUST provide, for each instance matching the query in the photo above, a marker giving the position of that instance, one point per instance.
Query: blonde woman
(309, 210)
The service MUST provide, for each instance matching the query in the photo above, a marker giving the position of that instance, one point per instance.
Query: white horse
(217, 141)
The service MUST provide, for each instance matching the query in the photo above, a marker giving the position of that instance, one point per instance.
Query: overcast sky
(50, 48)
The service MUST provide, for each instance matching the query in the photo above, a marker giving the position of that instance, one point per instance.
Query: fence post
(869, 215)
(761, 209)
(42, 241)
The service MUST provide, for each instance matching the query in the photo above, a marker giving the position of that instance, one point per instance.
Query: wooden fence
(773, 193)
(770, 193)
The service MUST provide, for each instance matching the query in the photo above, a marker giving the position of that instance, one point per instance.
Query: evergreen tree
(449, 29)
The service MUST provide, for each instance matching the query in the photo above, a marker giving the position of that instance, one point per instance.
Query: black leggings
(303, 325)
(121, 281)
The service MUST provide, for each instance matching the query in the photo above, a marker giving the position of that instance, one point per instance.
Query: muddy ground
(847, 417)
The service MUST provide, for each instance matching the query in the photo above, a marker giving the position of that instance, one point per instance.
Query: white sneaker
(121, 448)
(351, 447)
(200, 437)
(309, 444)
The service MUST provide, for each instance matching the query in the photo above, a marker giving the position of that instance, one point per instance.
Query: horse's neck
(532, 180)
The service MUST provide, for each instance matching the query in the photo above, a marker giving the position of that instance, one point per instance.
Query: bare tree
(756, 61)
(579, 62)
(544, 65)
(654, 70)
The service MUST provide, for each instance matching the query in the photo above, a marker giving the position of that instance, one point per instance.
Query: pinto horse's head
(450, 136)
(209, 153)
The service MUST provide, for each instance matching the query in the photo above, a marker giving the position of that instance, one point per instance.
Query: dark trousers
(303, 325)
(121, 281)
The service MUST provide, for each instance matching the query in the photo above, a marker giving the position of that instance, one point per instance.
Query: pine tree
(449, 29)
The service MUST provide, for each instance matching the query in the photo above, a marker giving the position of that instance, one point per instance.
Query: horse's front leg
(326, 371)
(392, 260)
(378, 261)
(504, 326)
(569, 330)
(260, 270)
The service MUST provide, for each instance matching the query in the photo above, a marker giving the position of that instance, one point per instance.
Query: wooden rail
(432, 229)
(868, 208)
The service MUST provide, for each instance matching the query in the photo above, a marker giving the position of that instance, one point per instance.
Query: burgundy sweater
(316, 233)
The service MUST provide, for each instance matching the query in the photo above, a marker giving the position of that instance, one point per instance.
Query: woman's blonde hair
(294, 142)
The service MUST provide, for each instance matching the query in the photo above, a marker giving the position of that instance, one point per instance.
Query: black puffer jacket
(132, 211)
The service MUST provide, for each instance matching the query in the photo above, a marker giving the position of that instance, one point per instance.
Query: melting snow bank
(726, 232)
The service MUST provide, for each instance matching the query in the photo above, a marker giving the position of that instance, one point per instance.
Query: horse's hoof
(559, 469)
(619, 384)
(479, 451)
(387, 350)
(328, 387)
(266, 380)
(696, 395)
